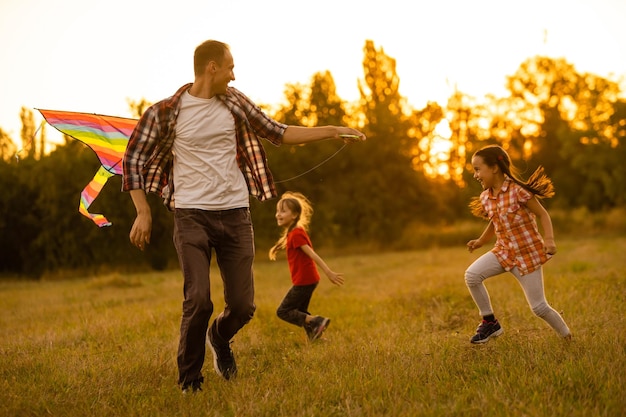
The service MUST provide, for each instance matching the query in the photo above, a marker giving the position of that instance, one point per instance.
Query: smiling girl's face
(284, 216)
(486, 175)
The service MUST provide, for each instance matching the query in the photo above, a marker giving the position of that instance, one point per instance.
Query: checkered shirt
(148, 159)
(518, 242)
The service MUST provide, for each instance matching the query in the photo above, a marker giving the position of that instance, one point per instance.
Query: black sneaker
(223, 358)
(486, 330)
(316, 327)
(192, 387)
(309, 330)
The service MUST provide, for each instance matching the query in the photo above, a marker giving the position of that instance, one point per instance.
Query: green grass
(397, 344)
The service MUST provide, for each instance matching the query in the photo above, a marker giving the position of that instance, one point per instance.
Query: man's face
(224, 73)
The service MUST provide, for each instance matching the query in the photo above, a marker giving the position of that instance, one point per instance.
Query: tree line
(413, 169)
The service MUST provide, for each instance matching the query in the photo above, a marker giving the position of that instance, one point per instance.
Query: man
(200, 150)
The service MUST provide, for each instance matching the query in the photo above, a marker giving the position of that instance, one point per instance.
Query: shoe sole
(215, 365)
(189, 391)
(217, 369)
(486, 339)
(320, 329)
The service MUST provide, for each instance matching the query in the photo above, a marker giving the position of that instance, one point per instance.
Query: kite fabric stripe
(107, 136)
(90, 192)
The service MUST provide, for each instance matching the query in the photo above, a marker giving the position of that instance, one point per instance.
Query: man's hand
(141, 230)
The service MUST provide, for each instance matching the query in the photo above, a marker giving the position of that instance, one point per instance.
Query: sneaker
(309, 331)
(223, 358)
(316, 327)
(192, 387)
(486, 330)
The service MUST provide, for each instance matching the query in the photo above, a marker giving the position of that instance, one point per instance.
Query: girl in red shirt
(511, 206)
(293, 214)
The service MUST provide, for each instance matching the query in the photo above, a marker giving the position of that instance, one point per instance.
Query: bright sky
(91, 56)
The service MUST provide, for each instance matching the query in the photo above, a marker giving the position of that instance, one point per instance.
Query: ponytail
(539, 184)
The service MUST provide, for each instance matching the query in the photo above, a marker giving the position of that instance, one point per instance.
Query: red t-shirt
(302, 267)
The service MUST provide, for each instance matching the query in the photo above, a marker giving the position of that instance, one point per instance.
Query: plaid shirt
(148, 159)
(518, 242)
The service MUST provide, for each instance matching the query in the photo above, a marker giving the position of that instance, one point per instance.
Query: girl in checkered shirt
(511, 206)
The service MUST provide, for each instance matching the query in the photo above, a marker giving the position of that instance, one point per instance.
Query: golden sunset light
(93, 56)
(283, 208)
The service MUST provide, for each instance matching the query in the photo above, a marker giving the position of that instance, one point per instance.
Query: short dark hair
(206, 52)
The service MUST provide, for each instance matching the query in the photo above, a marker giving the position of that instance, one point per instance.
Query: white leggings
(488, 266)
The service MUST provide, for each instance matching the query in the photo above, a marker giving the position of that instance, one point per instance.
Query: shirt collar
(503, 189)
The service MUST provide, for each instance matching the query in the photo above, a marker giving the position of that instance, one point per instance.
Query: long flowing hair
(538, 183)
(299, 205)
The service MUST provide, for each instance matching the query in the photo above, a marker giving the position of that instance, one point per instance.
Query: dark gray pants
(294, 307)
(196, 234)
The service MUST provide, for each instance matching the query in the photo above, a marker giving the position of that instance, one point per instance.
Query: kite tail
(90, 192)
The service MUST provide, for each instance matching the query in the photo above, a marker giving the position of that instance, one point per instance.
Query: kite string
(315, 167)
(18, 152)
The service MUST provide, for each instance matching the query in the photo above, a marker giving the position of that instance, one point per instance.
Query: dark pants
(294, 307)
(196, 234)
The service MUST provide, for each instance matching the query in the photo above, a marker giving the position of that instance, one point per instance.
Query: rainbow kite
(107, 136)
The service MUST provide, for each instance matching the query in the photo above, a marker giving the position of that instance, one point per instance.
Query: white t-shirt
(206, 174)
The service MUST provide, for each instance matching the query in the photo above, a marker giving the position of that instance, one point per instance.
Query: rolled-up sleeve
(262, 125)
(140, 145)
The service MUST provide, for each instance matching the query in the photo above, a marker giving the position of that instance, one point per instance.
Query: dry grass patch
(397, 344)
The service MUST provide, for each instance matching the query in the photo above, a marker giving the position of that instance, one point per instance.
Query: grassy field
(397, 344)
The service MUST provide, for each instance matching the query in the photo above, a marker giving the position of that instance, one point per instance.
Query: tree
(379, 177)
(138, 107)
(27, 133)
(423, 135)
(18, 217)
(310, 169)
(7, 147)
(565, 114)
